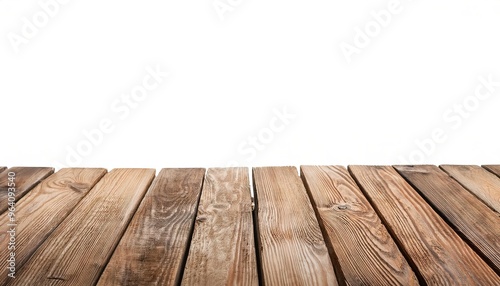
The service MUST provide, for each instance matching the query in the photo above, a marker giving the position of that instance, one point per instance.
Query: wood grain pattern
(365, 250)
(479, 181)
(26, 179)
(495, 169)
(42, 210)
(468, 215)
(222, 249)
(155, 245)
(291, 244)
(77, 251)
(438, 254)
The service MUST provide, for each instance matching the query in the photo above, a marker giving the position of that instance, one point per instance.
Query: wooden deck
(320, 225)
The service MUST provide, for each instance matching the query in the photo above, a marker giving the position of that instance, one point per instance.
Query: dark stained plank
(479, 181)
(437, 252)
(77, 251)
(292, 248)
(495, 169)
(364, 248)
(26, 178)
(155, 244)
(222, 248)
(42, 210)
(468, 215)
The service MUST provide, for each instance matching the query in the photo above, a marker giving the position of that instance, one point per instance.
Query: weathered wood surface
(479, 181)
(464, 211)
(155, 245)
(495, 169)
(222, 249)
(42, 210)
(26, 178)
(366, 253)
(438, 254)
(77, 251)
(291, 245)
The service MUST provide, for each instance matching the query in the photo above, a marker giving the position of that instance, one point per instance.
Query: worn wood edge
(45, 172)
(257, 232)
(331, 251)
(485, 200)
(47, 244)
(244, 210)
(26, 217)
(153, 189)
(414, 267)
(494, 169)
(470, 243)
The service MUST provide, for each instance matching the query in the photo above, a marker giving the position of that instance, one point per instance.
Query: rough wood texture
(495, 169)
(154, 247)
(479, 181)
(292, 248)
(439, 254)
(365, 250)
(222, 249)
(468, 215)
(77, 251)
(26, 179)
(42, 210)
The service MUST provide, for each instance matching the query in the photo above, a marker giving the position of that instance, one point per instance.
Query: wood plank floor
(316, 225)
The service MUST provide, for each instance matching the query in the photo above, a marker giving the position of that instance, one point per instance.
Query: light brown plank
(41, 211)
(154, 247)
(77, 251)
(468, 215)
(495, 169)
(291, 244)
(26, 179)
(429, 243)
(479, 181)
(364, 248)
(222, 249)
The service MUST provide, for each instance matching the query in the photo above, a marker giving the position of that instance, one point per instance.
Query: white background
(230, 74)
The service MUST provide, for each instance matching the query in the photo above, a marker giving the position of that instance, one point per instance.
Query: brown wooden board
(495, 169)
(40, 212)
(155, 244)
(222, 249)
(468, 215)
(26, 178)
(291, 245)
(437, 253)
(77, 251)
(483, 184)
(364, 248)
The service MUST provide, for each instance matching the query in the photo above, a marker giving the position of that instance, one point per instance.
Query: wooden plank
(222, 249)
(495, 169)
(437, 253)
(468, 215)
(154, 247)
(292, 248)
(41, 211)
(364, 249)
(77, 251)
(479, 181)
(26, 178)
